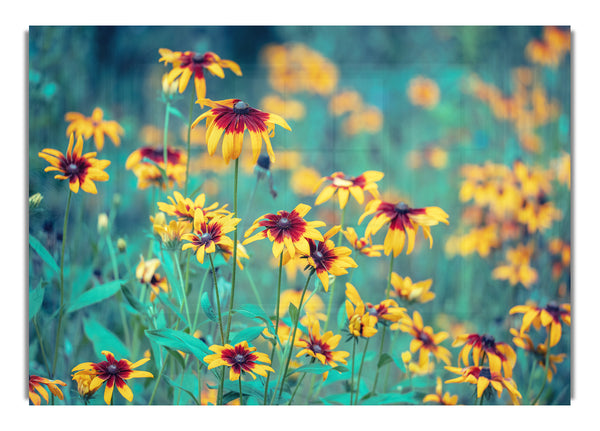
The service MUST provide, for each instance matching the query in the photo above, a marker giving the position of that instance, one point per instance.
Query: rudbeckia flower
(386, 311)
(483, 378)
(114, 373)
(403, 223)
(424, 341)
(208, 234)
(321, 347)
(327, 259)
(171, 234)
(517, 269)
(148, 172)
(344, 186)
(94, 126)
(524, 341)
(286, 229)
(500, 355)
(83, 385)
(35, 384)
(145, 272)
(362, 245)
(156, 154)
(412, 292)
(80, 170)
(438, 398)
(185, 208)
(188, 63)
(360, 322)
(240, 358)
(313, 307)
(230, 118)
(550, 317)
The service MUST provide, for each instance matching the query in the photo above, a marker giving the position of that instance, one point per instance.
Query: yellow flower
(412, 292)
(423, 92)
(483, 378)
(208, 234)
(500, 356)
(344, 186)
(424, 341)
(184, 208)
(145, 272)
(550, 317)
(363, 245)
(518, 269)
(445, 400)
(240, 358)
(321, 347)
(94, 126)
(360, 322)
(35, 384)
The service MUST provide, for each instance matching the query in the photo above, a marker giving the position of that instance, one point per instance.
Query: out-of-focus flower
(289, 108)
(561, 256)
(150, 172)
(562, 169)
(113, 372)
(423, 92)
(517, 269)
(240, 358)
(445, 399)
(35, 384)
(286, 229)
(403, 222)
(188, 63)
(321, 347)
(425, 341)
(313, 307)
(145, 272)
(480, 240)
(344, 102)
(550, 317)
(121, 245)
(524, 342)
(344, 186)
(304, 180)
(230, 118)
(436, 157)
(102, 223)
(412, 292)
(325, 258)
(80, 170)
(551, 50)
(538, 214)
(35, 200)
(484, 378)
(207, 235)
(94, 126)
(362, 245)
(500, 356)
(386, 311)
(185, 208)
(365, 119)
(156, 154)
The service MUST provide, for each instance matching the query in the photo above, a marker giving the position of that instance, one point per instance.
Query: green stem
(332, 287)
(534, 402)
(115, 267)
(189, 140)
(183, 293)
(360, 371)
(41, 341)
(212, 267)
(354, 342)
(197, 313)
(165, 141)
(296, 389)
(389, 281)
(160, 373)
(292, 338)
(62, 283)
(241, 396)
(374, 390)
(254, 288)
(235, 240)
(275, 336)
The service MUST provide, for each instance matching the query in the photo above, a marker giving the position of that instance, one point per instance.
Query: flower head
(423, 92)
(344, 186)
(230, 118)
(145, 272)
(403, 223)
(185, 208)
(208, 234)
(483, 378)
(362, 245)
(35, 384)
(94, 126)
(188, 63)
(517, 269)
(445, 400)
(286, 229)
(113, 372)
(80, 170)
(500, 355)
(148, 165)
(525, 342)
(424, 341)
(325, 258)
(361, 323)
(550, 317)
(321, 347)
(412, 292)
(240, 358)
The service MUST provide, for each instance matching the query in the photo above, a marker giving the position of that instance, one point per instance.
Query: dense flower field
(299, 215)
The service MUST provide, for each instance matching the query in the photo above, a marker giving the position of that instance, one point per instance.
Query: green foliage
(94, 295)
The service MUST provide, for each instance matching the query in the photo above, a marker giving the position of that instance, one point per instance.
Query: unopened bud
(35, 200)
(121, 245)
(102, 223)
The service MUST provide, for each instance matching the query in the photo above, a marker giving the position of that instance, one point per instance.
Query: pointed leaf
(37, 246)
(103, 339)
(36, 298)
(95, 295)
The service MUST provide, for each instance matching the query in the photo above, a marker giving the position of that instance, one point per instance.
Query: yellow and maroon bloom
(94, 126)
(146, 164)
(412, 292)
(146, 273)
(80, 170)
(525, 342)
(156, 154)
(286, 229)
(185, 208)
(549, 317)
(363, 245)
(445, 400)
(386, 311)
(229, 119)
(188, 63)
(35, 384)
(346, 186)
(325, 258)
(321, 347)
(500, 355)
(403, 223)
(424, 341)
(240, 358)
(483, 377)
(208, 234)
(114, 373)
(361, 323)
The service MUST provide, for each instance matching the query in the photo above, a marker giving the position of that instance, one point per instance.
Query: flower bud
(102, 223)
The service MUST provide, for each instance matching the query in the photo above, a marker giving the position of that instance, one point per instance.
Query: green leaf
(293, 310)
(179, 340)
(390, 398)
(311, 368)
(176, 386)
(255, 312)
(95, 295)
(247, 334)
(384, 359)
(208, 308)
(37, 246)
(36, 298)
(176, 112)
(164, 299)
(104, 339)
(132, 300)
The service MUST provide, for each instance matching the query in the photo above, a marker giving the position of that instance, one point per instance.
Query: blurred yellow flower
(95, 126)
(423, 92)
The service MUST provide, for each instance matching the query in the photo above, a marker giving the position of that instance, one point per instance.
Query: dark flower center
(402, 208)
(424, 338)
(317, 255)
(198, 58)
(553, 309)
(485, 372)
(206, 237)
(488, 341)
(72, 168)
(239, 358)
(241, 107)
(317, 349)
(283, 223)
(112, 369)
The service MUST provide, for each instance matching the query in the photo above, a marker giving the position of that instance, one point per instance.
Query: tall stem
(241, 396)
(189, 140)
(165, 141)
(362, 361)
(275, 336)
(235, 240)
(160, 373)
(183, 291)
(212, 267)
(545, 370)
(354, 342)
(331, 295)
(62, 283)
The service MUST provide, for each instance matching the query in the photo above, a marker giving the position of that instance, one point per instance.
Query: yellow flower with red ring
(321, 347)
(346, 186)
(240, 358)
(185, 208)
(500, 356)
(80, 170)
(207, 235)
(483, 378)
(35, 384)
(229, 119)
(412, 292)
(94, 126)
(550, 317)
(438, 398)
(361, 323)
(145, 272)
(403, 223)
(363, 245)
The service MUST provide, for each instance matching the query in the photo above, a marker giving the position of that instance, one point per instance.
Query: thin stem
(360, 371)
(241, 396)
(296, 388)
(253, 286)
(196, 314)
(183, 293)
(165, 141)
(354, 342)
(189, 140)
(62, 283)
(332, 287)
(235, 240)
(212, 267)
(275, 336)
(41, 341)
(160, 373)
(389, 281)
(534, 402)
(379, 356)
